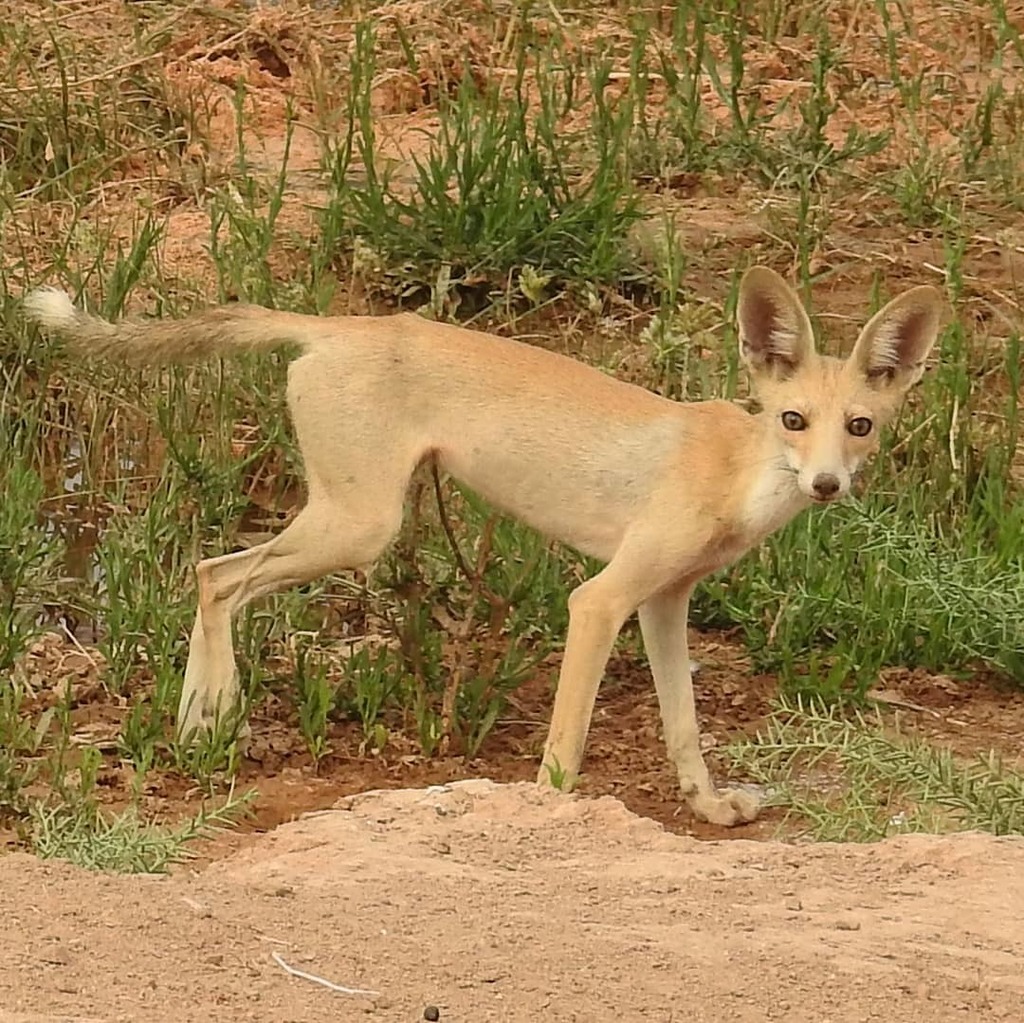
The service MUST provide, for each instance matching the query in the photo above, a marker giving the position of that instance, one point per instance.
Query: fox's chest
(772, 501)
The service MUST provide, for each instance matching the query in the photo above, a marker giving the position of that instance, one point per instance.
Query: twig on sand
(320, 980)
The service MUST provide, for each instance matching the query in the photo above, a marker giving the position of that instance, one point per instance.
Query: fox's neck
(771, 497)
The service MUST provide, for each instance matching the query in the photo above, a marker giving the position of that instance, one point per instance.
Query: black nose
(825, 485)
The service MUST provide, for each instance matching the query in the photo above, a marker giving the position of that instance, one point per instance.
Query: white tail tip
(50, 307)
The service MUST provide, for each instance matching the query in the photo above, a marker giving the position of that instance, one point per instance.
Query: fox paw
(726, 808)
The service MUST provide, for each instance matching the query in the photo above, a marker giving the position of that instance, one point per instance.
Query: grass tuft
(123, 843)
(846, 778)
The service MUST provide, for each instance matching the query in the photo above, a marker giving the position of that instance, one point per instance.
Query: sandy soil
(500, 902)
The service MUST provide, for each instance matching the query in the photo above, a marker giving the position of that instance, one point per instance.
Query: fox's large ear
(775, 332)
(893, 346)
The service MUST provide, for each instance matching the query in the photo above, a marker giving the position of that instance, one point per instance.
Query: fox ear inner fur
(895, 343)
(775, 331)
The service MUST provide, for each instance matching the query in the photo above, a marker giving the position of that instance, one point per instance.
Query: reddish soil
(625, 755)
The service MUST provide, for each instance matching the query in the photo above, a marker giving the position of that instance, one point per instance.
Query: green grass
(69, 821)
(522, 207)
(853, 780)
(124, 842)
(498, 192)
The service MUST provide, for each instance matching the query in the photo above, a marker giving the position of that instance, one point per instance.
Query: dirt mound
(499, 902)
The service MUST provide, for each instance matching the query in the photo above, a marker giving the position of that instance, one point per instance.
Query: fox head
(826, 413)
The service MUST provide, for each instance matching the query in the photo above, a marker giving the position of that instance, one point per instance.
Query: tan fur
(662, 492)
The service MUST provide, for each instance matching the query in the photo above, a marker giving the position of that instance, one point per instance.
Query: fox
(660, 492)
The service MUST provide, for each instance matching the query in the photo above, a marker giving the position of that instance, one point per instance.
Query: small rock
(57, 956)
(196, 906)
(432, 1012)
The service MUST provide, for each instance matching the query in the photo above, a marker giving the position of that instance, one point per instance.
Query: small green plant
(248, 208)
(924, 601)
(675, 139)
(29, 555)
(806, 152)
(80, 831)
(496, 189)
(371, 685)
(216, 751)
(909, 84)
(314, 696)
(144, 733)
(921, 188)
(849, 778)
(681, 335)
(744, 145)
(141, 564)
(556, 775)
(20, 740)
(68, 822)
(72, 117)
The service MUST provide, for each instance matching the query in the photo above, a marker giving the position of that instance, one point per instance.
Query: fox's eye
(794, 421)
(859, 427)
